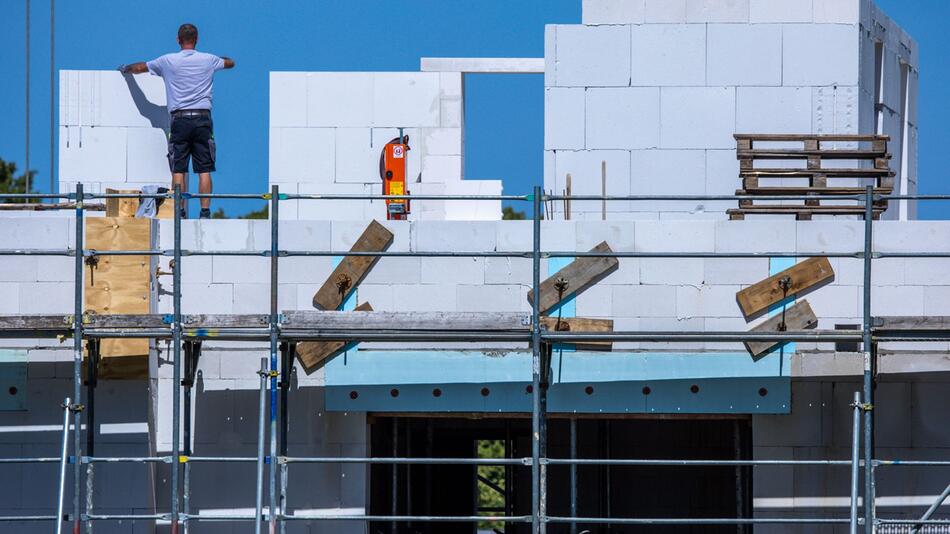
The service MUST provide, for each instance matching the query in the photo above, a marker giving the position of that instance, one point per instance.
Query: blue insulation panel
(13, 380)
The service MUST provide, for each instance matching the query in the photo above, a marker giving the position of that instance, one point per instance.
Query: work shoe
(205, 213)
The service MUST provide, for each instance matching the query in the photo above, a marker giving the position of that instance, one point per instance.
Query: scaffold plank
(313, 353)
(401, 321)
(797, 317)
(575, 278)
(351, 271)
(581, 324)
(802, 276)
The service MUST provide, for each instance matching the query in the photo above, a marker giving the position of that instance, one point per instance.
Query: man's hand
(228, 62)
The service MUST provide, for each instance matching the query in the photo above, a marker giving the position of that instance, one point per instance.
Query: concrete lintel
(497, 65)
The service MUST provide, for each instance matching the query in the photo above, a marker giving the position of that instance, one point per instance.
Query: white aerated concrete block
(453, 113)
(302, 154)
(147, 157)
(936, 301)
(92, 154)
(706, 301)
(10, 304)
(564, 115)
(837, 45)
(43, 297)
(288, 99)
(442, 141)
(356, 159)
(218, 235)
(453, 270)
(398, 269)
(429, 297)
(834, 301)
(717, 10)
(927, 271)
(675, 236)
(911, 236)
(697, 117)
(508, 271)
(436, 236)
(130, 100)
(644, 301)
(593, 56)
(732, 48)
(667, 11)
(668, 54)
(618, 234)
(667, 172)
(586, 179)
(36, 232)
(450, 85)
(612, 11)
(830, 236)
(473, 210)
(837, 11)
(255, 298)
(238, 269)
(774, 109)
(627, 117)
(406, 99)
(780, 10)
(595, 301)
(897, 300)
(492, 298)
(755, 236)
(339, 99)
(722, 178)
(441, 170)
(726, 271)
(671, 271)
(550, 54)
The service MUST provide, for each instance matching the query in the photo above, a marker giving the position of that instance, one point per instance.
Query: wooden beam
(312, 354)
(126, 207)
(581, 324)
(798, 316)
(351, 271)
(578, 276)
(801, 277)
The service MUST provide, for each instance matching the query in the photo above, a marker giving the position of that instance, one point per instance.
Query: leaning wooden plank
(802, 276)
(350, 272)
(402, 321)
(312, 354)
(798, 316)
(118, 284)
(581, 324)
(578, 276)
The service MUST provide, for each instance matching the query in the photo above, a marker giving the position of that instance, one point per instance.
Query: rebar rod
(855, 460)
(77, 359)
(536, 524)
(61, 494)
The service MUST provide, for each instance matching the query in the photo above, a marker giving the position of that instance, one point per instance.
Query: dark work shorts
(191, 137)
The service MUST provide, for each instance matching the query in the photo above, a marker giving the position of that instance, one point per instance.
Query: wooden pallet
(820, 177)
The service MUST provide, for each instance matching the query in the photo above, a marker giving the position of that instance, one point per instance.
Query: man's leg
(204, 187)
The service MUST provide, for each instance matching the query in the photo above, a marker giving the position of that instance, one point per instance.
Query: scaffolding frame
(186, 348)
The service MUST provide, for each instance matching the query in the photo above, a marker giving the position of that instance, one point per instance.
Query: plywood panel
(119, 284)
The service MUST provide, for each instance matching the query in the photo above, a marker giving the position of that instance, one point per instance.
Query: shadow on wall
(156, 115)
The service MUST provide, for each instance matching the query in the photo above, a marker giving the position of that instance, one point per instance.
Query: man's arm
(133, 68)
(228, 62)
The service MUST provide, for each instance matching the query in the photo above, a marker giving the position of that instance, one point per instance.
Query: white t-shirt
(188, 76)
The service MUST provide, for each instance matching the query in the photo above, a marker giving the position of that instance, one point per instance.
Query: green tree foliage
(218, 214)
(10, 183)
(488, 496)
(257, 214)
(509, 214)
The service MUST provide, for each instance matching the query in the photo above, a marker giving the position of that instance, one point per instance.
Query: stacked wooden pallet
(823, 165)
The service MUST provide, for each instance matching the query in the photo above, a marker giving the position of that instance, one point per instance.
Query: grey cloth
(147, 206)
(188, 77)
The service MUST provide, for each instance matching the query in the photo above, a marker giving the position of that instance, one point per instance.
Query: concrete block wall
(647, 81)
(327, 130)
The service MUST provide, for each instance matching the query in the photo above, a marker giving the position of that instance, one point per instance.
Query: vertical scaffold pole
(286, 368)
(868, 405)
(77, 361)
(176, 362)
(536, 520)
(259, 502)
(272, 509)
(573, 474)
(855, 460)
(63, 458)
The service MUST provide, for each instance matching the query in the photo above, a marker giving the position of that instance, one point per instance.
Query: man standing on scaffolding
(188, 76)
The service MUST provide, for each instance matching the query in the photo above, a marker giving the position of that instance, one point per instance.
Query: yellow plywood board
(119, 285)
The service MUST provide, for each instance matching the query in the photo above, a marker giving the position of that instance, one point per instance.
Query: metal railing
(273, 454)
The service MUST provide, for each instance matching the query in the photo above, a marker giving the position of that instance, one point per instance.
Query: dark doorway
(616, 491)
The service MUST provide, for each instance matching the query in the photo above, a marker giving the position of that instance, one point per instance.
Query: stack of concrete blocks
(657, 88)
(112, 131)
(327, 130)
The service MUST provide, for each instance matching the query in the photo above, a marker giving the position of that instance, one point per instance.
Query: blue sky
(504, 114)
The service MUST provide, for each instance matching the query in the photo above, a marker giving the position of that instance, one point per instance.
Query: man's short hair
(187, 33)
